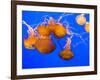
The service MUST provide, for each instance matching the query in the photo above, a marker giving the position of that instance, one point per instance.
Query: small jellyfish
(30, 42)
(87, 27)
(57, 28)
(80, 19)
(67, 54)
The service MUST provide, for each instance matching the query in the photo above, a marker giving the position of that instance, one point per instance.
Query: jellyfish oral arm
(68, 44)
(63, 15)
(30, 29)
(24, 22)
(51, 21)
(76, 34)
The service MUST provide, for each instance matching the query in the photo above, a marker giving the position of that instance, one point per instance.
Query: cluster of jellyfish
(39, 37)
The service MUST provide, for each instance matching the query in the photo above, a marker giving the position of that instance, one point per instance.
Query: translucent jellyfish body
(87, 27)
(30, 41)
(67, 53)
(80, 19)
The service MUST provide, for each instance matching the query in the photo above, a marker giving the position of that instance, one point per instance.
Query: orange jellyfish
(45, 45)
(57, 28)
(80, 19)
(43, 30)
(87, 27)
(59, 31)
(67, 53)
(30, 41)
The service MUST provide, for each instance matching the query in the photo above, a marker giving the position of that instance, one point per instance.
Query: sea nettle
(87, 27)
(43, 30)
(80, 19)
(30, 42)
(59, 31)
(45, 45)
(66, 54)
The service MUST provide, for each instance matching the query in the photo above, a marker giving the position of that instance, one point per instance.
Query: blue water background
(35, 59)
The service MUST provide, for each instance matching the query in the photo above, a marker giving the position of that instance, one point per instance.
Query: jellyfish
(60, 31)
(43, 30)
(30, 41)
(45, 45)
(87, 27)
(80, 19)
(39, 37)
(67, 53)
(57, 28)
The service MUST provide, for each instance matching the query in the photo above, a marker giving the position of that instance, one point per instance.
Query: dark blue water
(35, 59)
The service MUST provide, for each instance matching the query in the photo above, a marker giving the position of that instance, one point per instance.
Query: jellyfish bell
(87, 27)
(43, 30)
(27, 44)
(30, 42)
(66, 54)
(33, 39)
(59, 31)
(45, 46)
(80, 19)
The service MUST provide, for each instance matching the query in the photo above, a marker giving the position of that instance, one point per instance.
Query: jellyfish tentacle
(51, 21)
(30, 29)
(68, 43)
(66, 23)
(45, 17)
(80, 19)
(83, 33)
(70, 32)
(61, 17)
(78, 43)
